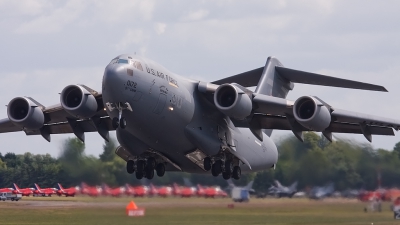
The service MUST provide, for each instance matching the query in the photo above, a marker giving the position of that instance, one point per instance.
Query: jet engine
(78, 101)
(233, 101)
(311, 113)
(24, 113)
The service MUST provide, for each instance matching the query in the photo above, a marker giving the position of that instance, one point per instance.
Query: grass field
(85, 210)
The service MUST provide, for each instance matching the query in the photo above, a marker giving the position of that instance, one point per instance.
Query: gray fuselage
(170, 116)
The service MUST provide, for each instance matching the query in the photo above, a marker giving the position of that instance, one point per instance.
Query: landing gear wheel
(151, 163)
(226, 175)
(139, 175)
(237, 172)
(122, 123)
(160, 169)
(149, 174)
(130, 166)
(216, 168)
(115, 122)
(207, 163)
(228, 167)
(140, 165)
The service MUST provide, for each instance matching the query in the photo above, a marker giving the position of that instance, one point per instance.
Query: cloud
(196, 15)
(131, 37)
(160, 28)
(55, 21)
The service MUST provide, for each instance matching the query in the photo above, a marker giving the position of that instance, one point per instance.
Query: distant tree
(397, 149)
(108, 154)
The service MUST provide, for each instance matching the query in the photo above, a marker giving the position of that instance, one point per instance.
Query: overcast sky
(47, 45)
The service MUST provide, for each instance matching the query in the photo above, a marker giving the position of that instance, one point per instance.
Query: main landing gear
(145, 168)
(225, 167)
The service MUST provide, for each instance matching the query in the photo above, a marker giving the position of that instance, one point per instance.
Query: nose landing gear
(120, 121)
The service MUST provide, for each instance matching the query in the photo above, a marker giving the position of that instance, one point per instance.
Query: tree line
(316, 161)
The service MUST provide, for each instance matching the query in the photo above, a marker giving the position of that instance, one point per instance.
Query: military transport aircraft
(166, 122)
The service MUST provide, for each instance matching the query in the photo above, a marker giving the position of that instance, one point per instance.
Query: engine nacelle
(78, 101)
(24, 113)
(311, 113)
(233, 101)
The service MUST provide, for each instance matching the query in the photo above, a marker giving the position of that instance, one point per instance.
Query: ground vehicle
(10, 196)
(240, 195)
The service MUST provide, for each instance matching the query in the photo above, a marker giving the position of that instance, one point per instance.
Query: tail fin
(278, 184)
(187, 182)
(249, 185)
(60, 187)
(271, 83)
(293, 187)
(230, 183)
(37, 186)
(16, 187)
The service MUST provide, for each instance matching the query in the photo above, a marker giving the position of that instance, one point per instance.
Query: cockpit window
(123, 61)
(137, 65)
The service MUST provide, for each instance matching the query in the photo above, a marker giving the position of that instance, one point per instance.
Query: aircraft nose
(112, 78)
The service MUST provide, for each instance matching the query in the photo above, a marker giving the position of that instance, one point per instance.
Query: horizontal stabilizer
(246, 79)
(297, 76)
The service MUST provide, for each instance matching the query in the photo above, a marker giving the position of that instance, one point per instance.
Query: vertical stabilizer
(272, 84)
(16, 187)
(249, 186)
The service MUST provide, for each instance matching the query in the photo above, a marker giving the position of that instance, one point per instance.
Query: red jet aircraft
(91, 191)
(67, 192)
(44, 191)
(23, 192)
(115, 192)
(6, 190)
(137, 191)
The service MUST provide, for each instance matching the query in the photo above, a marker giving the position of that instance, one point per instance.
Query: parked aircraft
(6, 190)
(214, 192)
(165, 122)
(321, 192)
(248, 187)
(114, 192)
(67, 191)
(44, 191)
(23, 191)
(141, 191)
(91, 191)
(282, 191)
(200, 192)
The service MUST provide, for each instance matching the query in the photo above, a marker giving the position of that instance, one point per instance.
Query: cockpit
(128, 61)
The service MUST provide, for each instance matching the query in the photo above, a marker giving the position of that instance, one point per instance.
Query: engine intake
(24, 113)
(311, 113)
(78, 101)
(232, 101)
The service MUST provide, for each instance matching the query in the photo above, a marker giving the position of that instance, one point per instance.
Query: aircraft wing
(277, 113)
(58, 121)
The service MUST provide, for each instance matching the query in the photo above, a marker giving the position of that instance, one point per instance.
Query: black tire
(226, 175)
(140, 165)
(150, 174)
(160, 169)
(151, 163)
(122, 123)
(130, 166)
(228, 167)
(216, 168)
(237, 172)
(115, 123)
(139, 175)
(207, 163)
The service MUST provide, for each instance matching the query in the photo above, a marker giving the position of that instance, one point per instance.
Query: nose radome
(113, 75)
